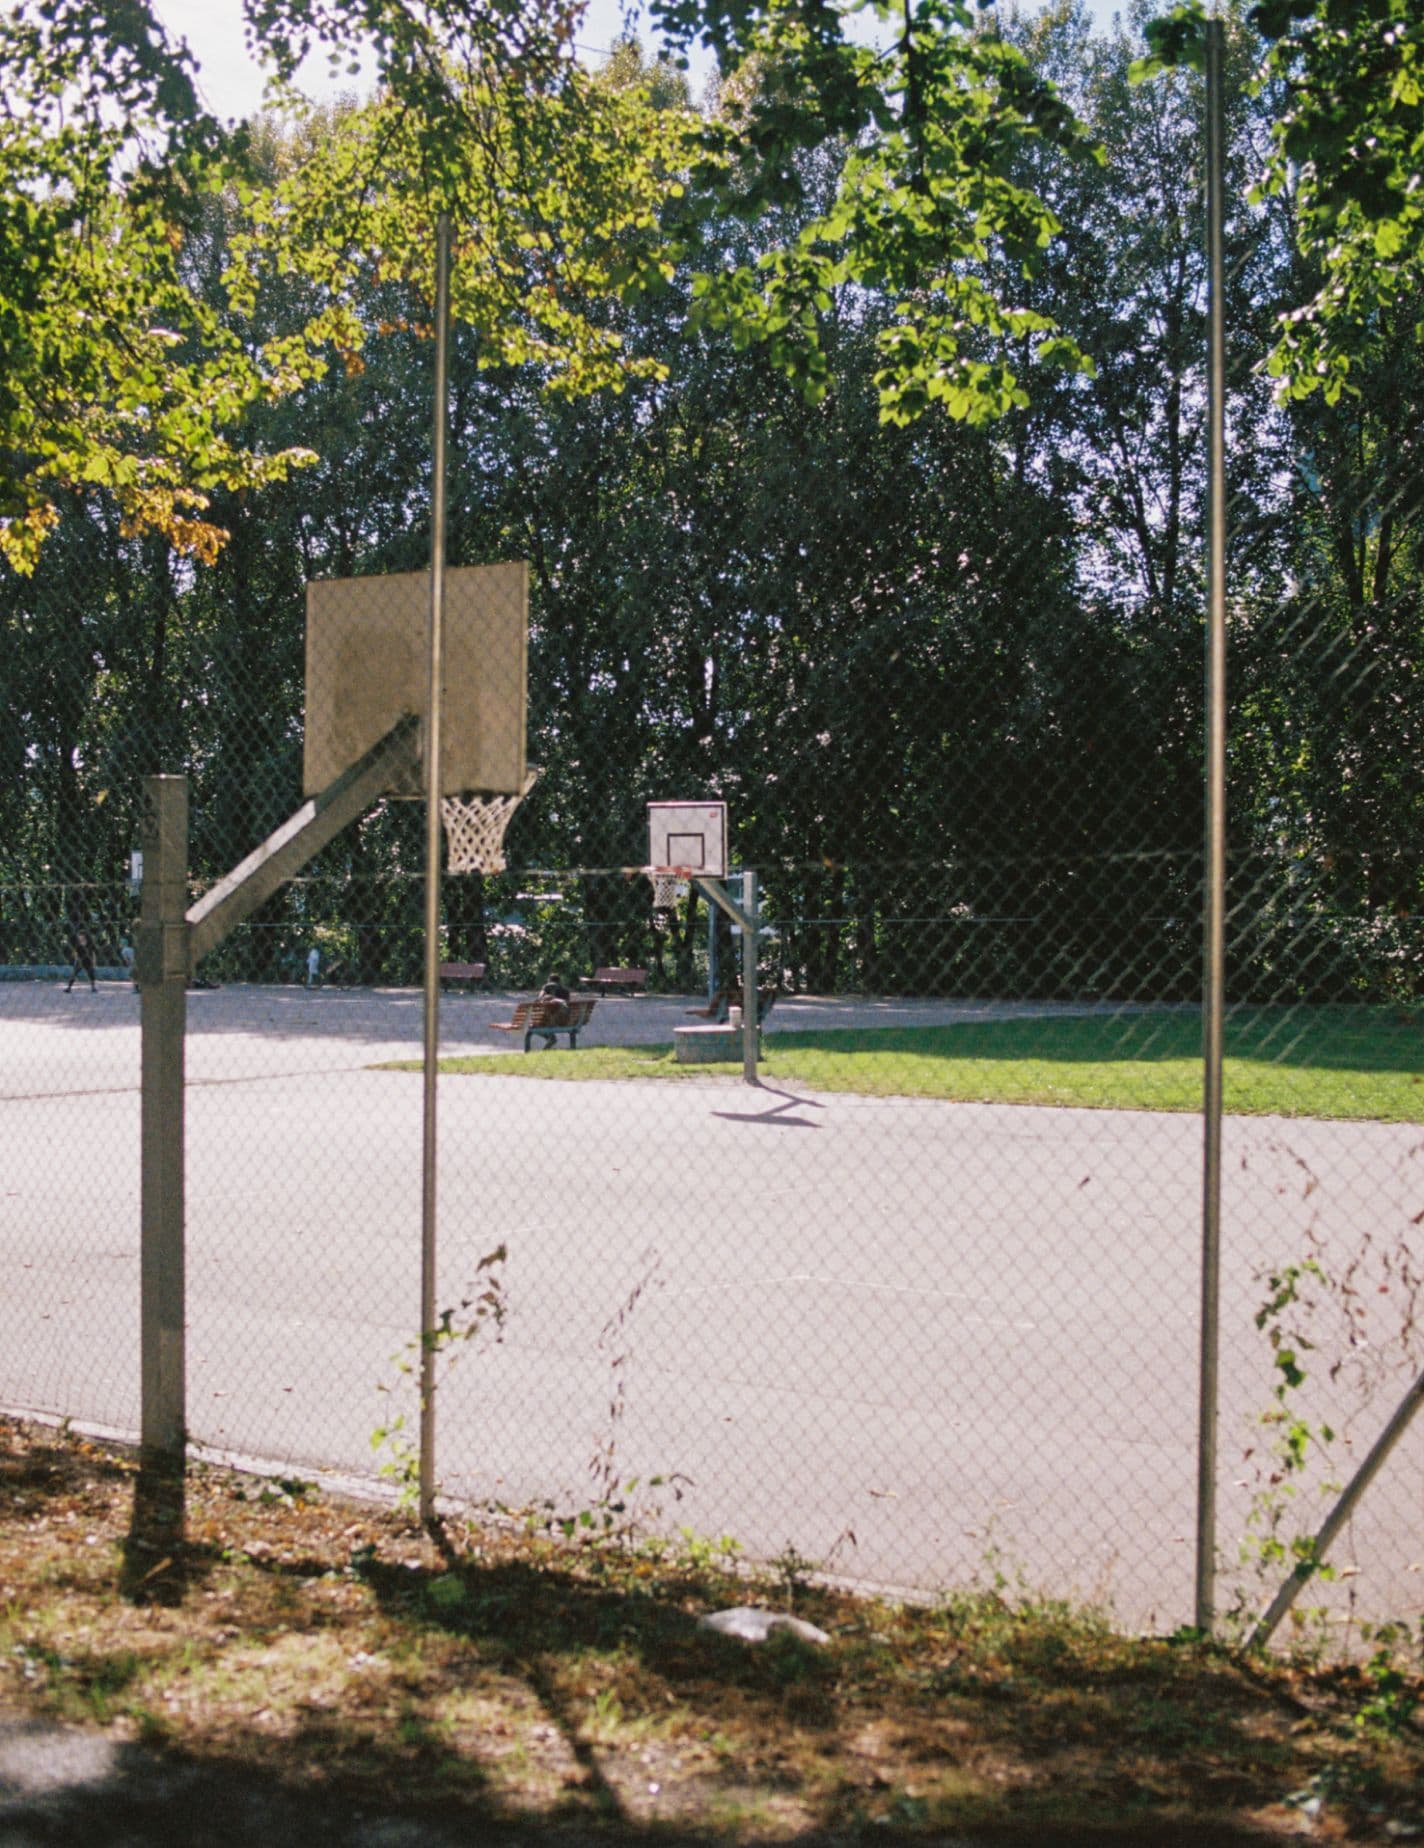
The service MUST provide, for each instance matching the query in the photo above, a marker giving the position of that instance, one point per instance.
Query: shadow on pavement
(777, 1115)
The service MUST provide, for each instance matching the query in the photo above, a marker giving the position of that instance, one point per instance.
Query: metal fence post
(1214, 894)
(161, 966)
(434, 757)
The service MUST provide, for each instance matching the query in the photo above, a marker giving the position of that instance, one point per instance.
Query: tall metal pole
(433, 759)
(751, 933)
(161, 967)
(713, 984)
(1214, 910)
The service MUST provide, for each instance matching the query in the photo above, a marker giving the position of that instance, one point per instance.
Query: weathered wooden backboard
(367, 664)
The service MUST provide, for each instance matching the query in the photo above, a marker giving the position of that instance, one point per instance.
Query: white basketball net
(474, 828)
(669, 890)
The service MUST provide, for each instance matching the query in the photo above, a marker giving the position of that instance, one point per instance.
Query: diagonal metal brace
(1265, 1625)
(284, 853)
(714, 891)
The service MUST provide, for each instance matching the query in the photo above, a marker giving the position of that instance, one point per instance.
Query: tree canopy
(1345, 80)
(118, 371)
(943, 664)
(562, 187)
(937, 142)
(113, 372)
(933, 209)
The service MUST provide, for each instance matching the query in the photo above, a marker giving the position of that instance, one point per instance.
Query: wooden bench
(473, 973)
(617, 981)
(549, 1018)
(725, 998)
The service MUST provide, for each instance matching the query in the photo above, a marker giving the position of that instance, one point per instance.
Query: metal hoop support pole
(433, 760)
(751, 943)
(1214, 914)
(746, 917)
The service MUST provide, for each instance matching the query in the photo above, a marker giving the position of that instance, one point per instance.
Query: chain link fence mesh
(925, 1304)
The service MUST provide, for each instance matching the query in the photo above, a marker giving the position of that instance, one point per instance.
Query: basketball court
(922, 1342)
(957, 1333)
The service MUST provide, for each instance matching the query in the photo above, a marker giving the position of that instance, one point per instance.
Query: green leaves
(557, 200)
(1176, 41)
(926, 363)
(1348, 159)
(117, 375)
(1273, 18)
(933, 136)
(118, 372)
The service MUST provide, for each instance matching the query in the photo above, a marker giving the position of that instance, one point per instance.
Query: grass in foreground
(505, 1684)
(1339, 1062)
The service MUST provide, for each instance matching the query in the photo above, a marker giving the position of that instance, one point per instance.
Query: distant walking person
(313, 967)
(83, 961)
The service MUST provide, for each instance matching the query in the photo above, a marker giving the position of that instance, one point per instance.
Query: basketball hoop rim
(475, 823)
(670, 886)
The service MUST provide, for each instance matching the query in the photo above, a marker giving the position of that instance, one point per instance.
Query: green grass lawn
(1348, 1062)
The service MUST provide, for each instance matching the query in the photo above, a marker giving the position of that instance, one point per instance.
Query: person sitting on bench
(554, 990)
(716, 1008)
(730, 995)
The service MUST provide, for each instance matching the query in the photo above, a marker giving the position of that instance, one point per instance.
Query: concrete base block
(707, 1045)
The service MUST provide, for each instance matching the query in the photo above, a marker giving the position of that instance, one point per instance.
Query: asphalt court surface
(924, 1341)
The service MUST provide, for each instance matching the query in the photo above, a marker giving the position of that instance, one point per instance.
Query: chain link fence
(924, 1305)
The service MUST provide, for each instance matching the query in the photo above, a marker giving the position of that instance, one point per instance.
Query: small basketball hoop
(475, 825)
(669, 890)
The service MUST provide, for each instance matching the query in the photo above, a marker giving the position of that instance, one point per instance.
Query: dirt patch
(288, 1665)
